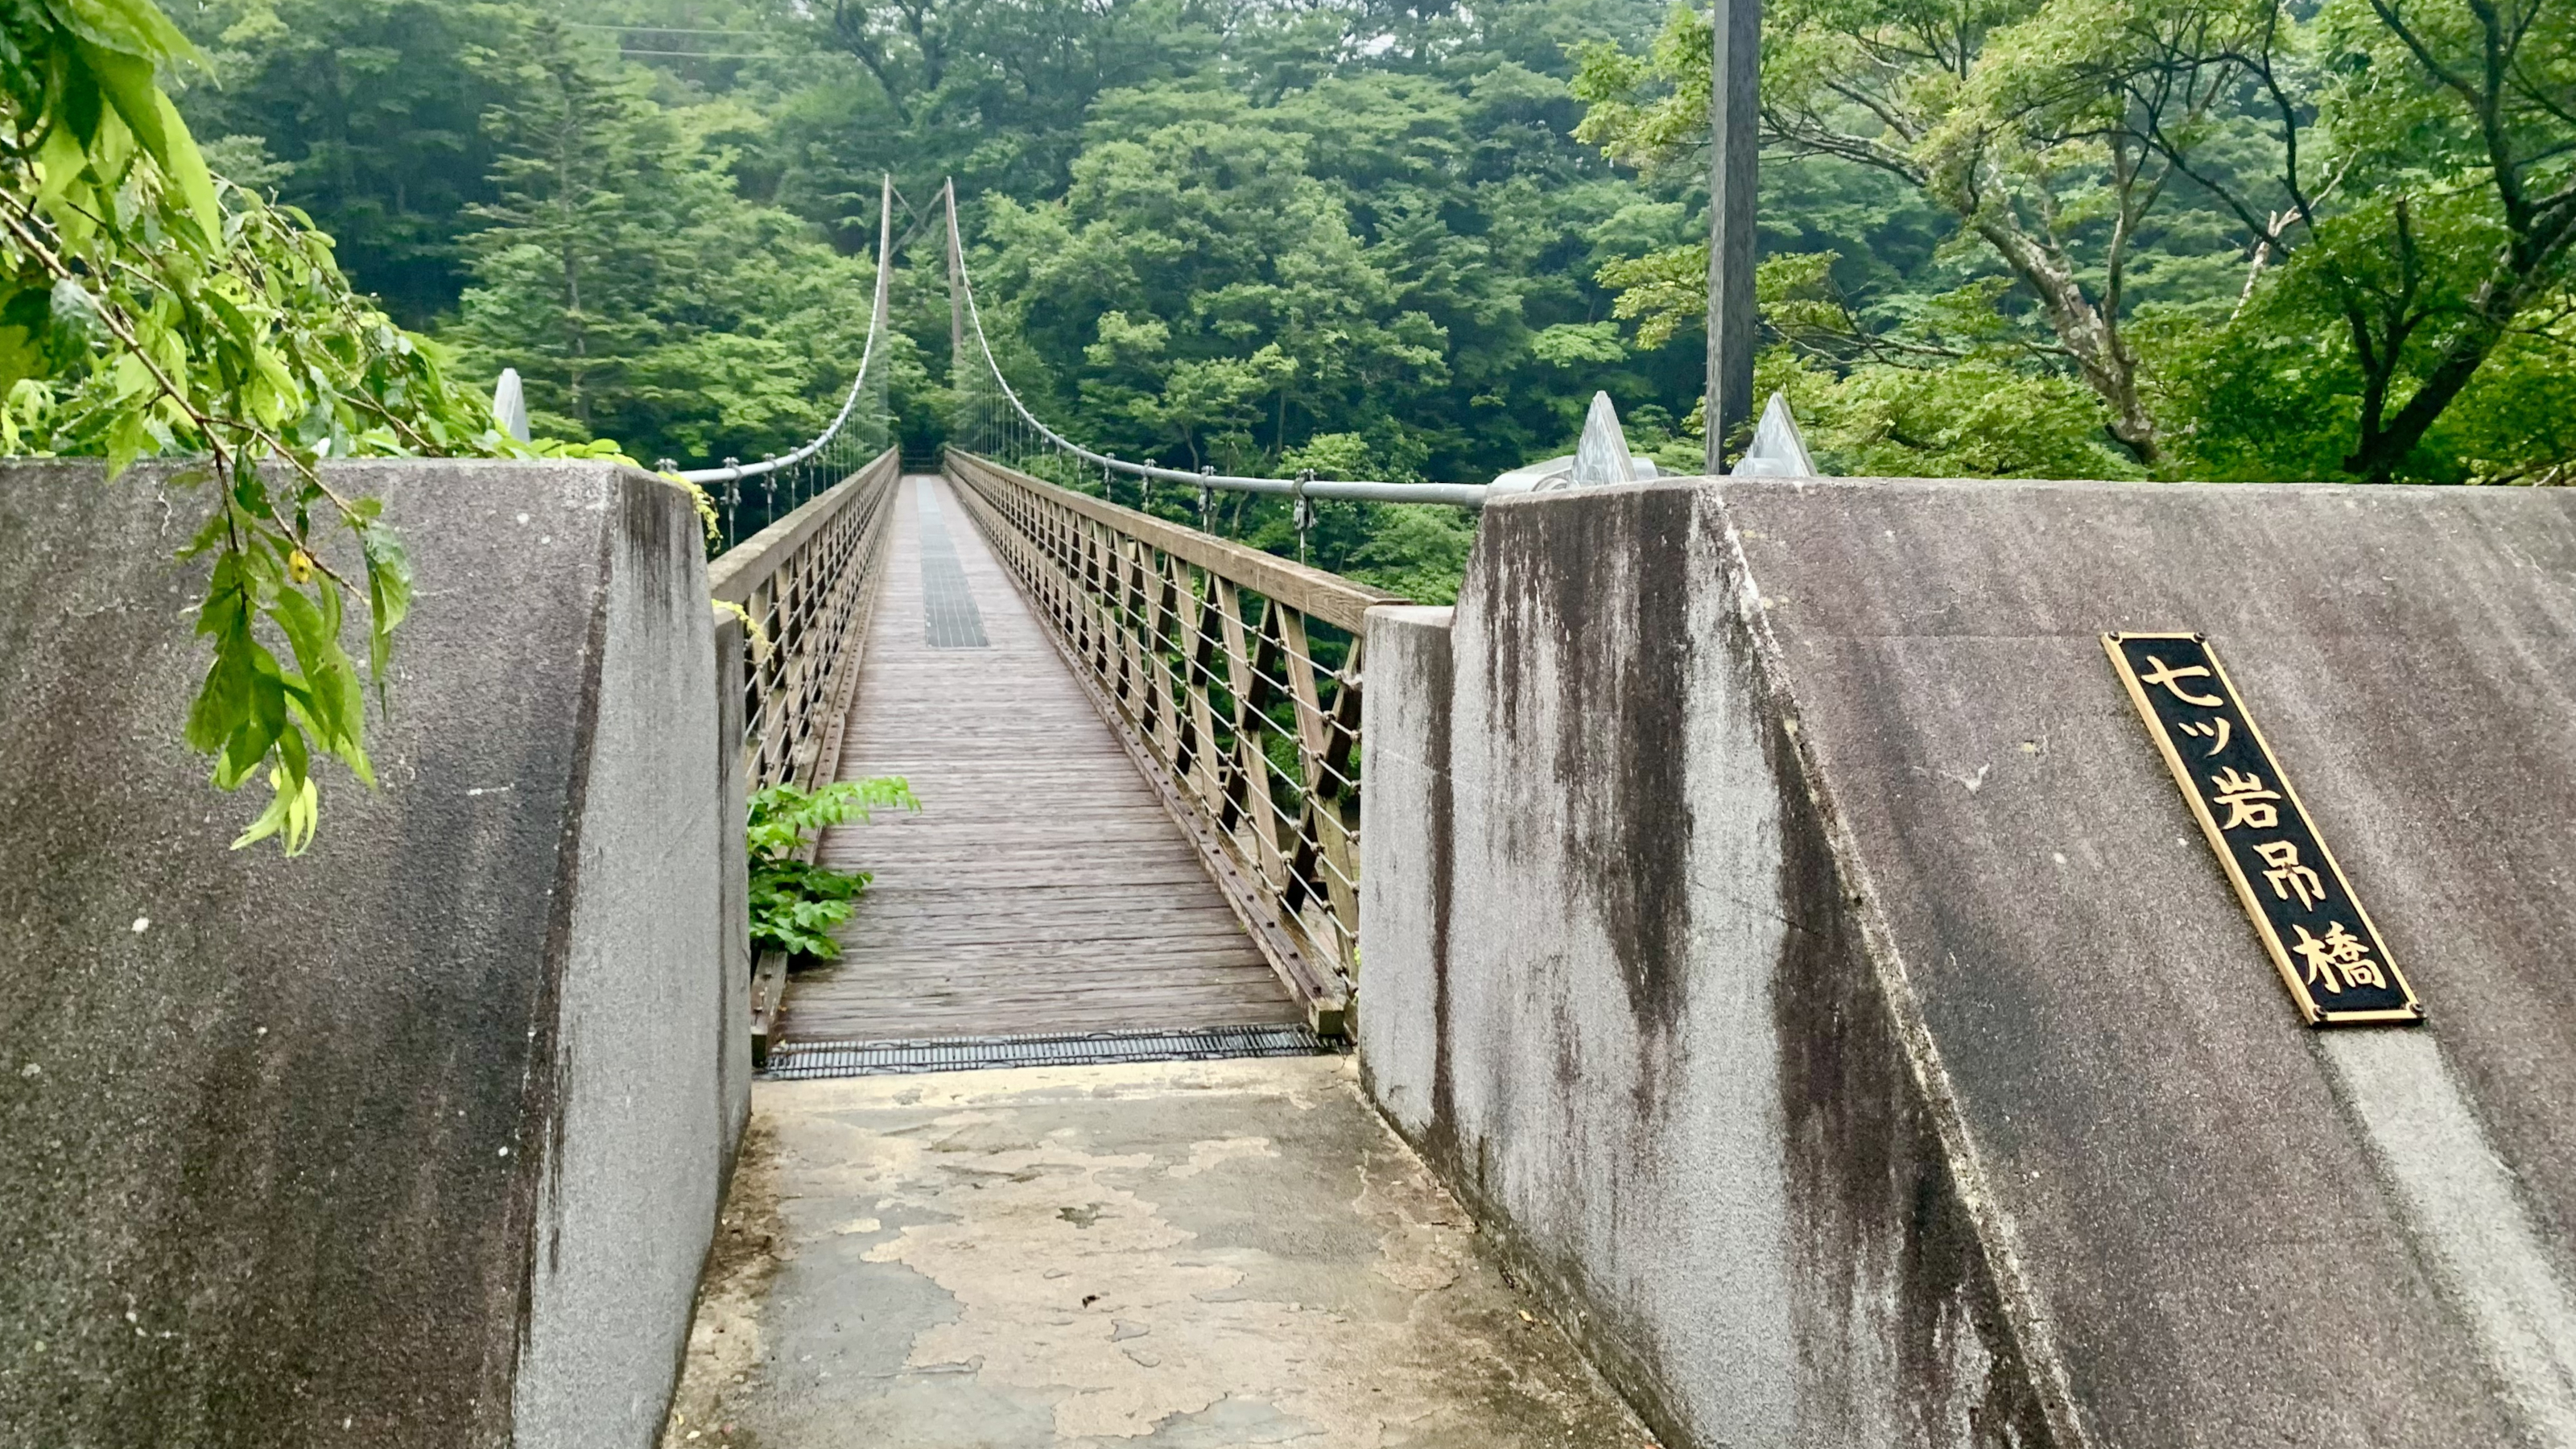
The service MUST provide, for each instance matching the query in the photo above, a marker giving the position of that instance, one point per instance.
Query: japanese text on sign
(2319, 937)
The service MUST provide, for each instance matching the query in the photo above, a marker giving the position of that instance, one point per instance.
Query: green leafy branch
(148, 308)
(795, 903)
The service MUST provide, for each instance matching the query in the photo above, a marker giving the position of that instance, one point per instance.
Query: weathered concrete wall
(736, 786)
(1407, 729)
(416, 1140)
(1821, 985)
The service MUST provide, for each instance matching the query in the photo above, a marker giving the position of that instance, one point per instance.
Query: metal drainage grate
(798, 1059)
(949, 618)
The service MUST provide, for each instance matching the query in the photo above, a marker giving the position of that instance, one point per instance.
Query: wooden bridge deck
(1043, 888)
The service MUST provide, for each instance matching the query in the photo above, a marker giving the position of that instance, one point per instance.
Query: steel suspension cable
(732, 471)
(1461, 495)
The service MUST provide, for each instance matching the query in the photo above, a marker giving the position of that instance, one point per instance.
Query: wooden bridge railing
(1234, 678)
(806, 585)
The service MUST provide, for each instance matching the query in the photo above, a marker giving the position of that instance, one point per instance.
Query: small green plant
(796, 903)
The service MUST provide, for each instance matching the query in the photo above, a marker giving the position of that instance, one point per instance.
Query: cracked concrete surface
(1165, 1256)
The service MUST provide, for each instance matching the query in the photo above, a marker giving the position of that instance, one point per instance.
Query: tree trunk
(2090, 336)
(2386, 442)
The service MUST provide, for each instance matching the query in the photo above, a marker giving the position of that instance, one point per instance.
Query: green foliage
(666, 246)
(1329, 455)
(639, 294)
(794, 902)
(2062, 225)
(1416, 550)
(1972, 419)
(2515, 422)
(360, 112)
(1663, 292)
(2020, 236)
(1577, 344)
(2428, 231)
(993, 95)
(149, 309)
(1234, 271)
(1377, 266)
(2271, 240)
(1223, 234)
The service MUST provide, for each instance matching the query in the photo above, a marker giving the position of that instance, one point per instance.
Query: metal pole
(956, 297)
(1305, 512)
(1735, 118)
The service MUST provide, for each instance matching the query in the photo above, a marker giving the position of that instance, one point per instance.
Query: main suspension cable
(1461, 495)
(731, 470)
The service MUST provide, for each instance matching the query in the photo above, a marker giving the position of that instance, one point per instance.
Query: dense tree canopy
(2171, 238)
(2183, 239)
(2270, 240)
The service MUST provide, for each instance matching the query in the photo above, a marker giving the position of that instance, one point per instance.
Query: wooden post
(1735, 118)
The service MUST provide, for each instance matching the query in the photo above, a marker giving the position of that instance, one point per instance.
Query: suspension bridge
(1146, 849)
(1767, 966)
(1137, 747)
(1138, 742)
(1142, 751)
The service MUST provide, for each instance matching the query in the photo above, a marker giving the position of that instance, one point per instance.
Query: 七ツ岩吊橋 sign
(2319, 937)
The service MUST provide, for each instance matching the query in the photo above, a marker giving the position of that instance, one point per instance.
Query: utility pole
(1735, 118)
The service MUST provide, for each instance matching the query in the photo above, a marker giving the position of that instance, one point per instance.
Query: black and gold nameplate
(2321, 940)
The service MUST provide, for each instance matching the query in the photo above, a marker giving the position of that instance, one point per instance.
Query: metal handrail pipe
(1456, 495)
(733, 574)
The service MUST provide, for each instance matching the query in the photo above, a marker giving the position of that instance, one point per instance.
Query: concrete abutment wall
(418, 1139)
(1779, 927)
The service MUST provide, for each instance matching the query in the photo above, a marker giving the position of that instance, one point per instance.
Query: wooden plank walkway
(1043, 888)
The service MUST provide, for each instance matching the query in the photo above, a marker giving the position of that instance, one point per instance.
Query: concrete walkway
(1168, 1256)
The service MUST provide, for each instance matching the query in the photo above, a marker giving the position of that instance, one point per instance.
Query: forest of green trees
(2217, 239)
(2160, 239)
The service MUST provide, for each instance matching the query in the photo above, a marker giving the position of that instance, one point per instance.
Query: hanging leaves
(149, 309)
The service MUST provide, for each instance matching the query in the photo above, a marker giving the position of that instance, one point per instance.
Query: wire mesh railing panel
(1236, 677)
(807, 585)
